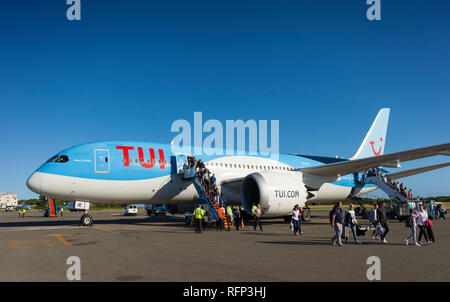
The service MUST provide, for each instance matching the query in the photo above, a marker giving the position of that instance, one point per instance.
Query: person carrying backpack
(336, 223)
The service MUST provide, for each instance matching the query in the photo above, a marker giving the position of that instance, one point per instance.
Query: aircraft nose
(34, 182)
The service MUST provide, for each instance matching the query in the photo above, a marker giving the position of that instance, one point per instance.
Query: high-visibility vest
(221, 213)
(198, 213)
(203, 213)
(254, 210)
(229, 211)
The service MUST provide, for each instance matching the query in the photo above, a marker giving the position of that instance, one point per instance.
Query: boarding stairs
(205, 196)
(391, 192)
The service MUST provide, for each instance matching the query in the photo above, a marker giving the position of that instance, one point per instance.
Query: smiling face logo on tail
(373, 148)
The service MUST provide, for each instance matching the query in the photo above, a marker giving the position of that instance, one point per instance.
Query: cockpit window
(62, 159)
(51, 159)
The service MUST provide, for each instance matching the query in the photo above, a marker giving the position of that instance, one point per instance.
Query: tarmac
(142, 248)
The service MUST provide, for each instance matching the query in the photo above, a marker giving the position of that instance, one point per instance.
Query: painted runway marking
(60, 238)
(24, 244)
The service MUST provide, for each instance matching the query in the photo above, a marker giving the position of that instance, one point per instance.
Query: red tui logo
(373, 148)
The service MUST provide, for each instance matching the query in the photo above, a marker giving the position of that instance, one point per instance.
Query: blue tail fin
(373, 143)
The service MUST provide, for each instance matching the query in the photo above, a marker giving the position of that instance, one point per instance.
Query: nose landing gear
(86, 220)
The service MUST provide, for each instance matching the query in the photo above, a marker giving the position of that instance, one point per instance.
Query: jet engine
(276, 192)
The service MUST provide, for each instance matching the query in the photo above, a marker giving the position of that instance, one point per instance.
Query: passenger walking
(257, 217)
(373, 218)
(442, 212)
(296, 219)
(213, 180)
(412, 222)
(423, 216)
(410, 194)
(382, 222)
(352, 223)
(237, 218)
(336, 223)
(198, 214)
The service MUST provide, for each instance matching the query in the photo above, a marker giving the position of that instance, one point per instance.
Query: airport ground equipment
(78, 206)
(52, 209)
(81, 206)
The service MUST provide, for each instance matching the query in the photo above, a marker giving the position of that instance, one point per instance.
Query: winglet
(373, 143)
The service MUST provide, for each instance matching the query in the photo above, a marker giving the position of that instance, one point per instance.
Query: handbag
(291, 226)
(379, 230)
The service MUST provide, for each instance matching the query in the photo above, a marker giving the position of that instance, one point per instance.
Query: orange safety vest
(221, 213)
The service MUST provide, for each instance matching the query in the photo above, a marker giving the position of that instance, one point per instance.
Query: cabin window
(62, 159)
(52, 159)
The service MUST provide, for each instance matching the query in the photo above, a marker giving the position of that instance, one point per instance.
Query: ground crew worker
(203, 218)
(221, 217)
(19, 210)
(23, 212)
(254, 209)
(198, 214)
(230, 217)
(62, 210)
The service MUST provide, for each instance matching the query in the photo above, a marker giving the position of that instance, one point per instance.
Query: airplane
(120, 172)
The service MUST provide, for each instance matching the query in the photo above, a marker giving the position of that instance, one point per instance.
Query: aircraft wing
(416, 171)
(352, 166)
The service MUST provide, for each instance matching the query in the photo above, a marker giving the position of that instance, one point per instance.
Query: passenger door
(101, 157)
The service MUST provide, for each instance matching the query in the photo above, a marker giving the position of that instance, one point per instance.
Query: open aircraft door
(185, 165)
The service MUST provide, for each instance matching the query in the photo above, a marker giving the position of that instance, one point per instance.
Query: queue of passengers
(399, 187)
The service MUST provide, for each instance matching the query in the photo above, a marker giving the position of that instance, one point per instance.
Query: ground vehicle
(131, 210)
(188, 218)
(77, 206)
(156, 210)
(9, 209)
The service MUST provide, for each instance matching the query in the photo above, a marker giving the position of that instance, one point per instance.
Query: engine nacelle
(276, 192)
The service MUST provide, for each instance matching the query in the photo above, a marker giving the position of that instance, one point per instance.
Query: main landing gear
(86, 220)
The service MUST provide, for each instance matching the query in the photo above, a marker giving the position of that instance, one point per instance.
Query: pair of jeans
(338, 231)
(353, 228)
(296, 225)
(413, 234)
(385, 227)
(257, 222)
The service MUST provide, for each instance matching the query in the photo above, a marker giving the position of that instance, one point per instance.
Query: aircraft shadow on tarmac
(36, 222)
(323, 242)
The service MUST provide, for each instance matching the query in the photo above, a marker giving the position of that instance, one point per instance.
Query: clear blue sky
(128, 69)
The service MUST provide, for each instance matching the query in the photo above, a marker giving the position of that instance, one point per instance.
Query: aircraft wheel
(86, 220)
(306, 215)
